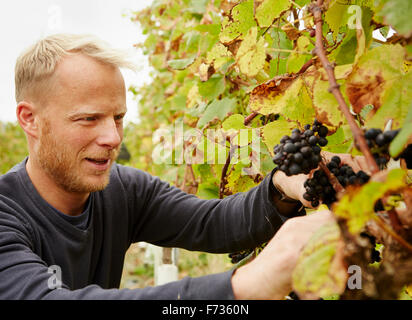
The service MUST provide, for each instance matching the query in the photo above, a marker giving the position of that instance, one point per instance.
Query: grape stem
(250, 117)
(319, 50)
(332, 179)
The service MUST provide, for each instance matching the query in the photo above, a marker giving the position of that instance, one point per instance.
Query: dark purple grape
(289, 148)
(298, 157)
(316, 149)
(323, 141)
(313, 140)
(308, 133)
(380, 140)
(336, 159)
(323, 131)
(295, 169)
(306, 151)
(372, 133)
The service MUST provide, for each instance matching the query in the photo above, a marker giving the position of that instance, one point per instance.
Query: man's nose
(110, 134)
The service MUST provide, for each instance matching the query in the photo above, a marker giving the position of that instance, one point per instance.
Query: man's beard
(64, 168)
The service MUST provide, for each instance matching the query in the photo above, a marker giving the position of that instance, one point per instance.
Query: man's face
(82, 124)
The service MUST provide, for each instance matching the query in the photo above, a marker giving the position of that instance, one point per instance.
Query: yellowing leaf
(319, 271)
(274, 131)
(357, 205)
(376, 72)
(251, 54)
(240, 21)
(285, 95)
(327, 108)
(269, 10)
(219, 55)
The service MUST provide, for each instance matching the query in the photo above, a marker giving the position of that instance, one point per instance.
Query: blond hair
(38, 62)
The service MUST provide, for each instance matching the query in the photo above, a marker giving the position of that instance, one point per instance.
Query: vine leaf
(327, 109)
(212, 88)
(217, 109)
(377, 79)
(287, 95)
(396, 13)
(336, 16)
(296, 59)
(251, 54)
(234, 122)
(237, 181)
(238, 23)
(364, 199)
(274, 131)
(269, 10)
(403, 137)
(219, 55)
(180, 64)
(320, 271)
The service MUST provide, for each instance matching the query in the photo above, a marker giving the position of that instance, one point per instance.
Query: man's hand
(293, 186)
(269, 275)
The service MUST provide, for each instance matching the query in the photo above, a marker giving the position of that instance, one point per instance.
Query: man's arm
(24, 275)
(166, 216)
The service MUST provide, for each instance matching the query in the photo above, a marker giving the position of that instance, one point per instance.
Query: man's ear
(27, 118)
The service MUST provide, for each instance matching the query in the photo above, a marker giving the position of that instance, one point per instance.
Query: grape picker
(69, 204)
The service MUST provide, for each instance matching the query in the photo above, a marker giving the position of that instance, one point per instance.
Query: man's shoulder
(9, 180)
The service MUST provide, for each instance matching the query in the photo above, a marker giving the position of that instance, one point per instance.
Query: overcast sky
(22, 22)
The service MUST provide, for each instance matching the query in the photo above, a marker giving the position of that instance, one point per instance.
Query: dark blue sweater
(134, 207)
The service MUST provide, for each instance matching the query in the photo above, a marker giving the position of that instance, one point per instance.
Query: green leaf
(336, 16)
(340, 141)
(212, 88)
(234, 122)
(297, 58)
(403, 137)
(357, 205)
(251, 54)
(319, 272)
(269, 10)
(218, 109)
(274, 131)
(396, 13)
(240, 21)
(179, 64)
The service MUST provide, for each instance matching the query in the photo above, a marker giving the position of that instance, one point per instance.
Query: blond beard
(63, 167)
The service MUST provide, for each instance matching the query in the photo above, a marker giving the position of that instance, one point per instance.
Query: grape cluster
(378, 142)
(318, 188)
(300, 152)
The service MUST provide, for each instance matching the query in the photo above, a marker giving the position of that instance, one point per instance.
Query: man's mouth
(98, 160)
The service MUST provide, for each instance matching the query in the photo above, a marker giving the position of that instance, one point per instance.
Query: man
(69, 207)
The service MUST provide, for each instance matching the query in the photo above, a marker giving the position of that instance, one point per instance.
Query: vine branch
(319, 50)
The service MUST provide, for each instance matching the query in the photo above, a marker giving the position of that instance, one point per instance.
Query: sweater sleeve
(166, 216)
(24, 275)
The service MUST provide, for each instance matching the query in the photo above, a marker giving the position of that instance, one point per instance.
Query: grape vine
(270, 69)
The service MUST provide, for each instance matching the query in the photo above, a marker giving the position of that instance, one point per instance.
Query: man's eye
(89, 118)
(119, 117)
